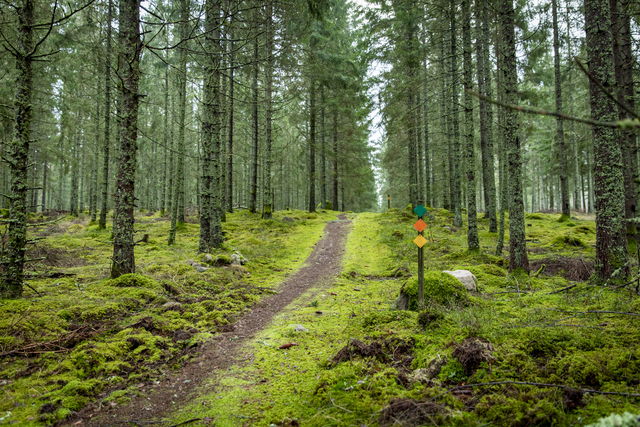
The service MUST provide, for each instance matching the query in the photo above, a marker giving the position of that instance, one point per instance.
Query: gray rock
(238, 259)
(465, 277)
(200, 269)
(208, 257)
(172, 306)
(425, 375)
(191, 262)
(299, 328)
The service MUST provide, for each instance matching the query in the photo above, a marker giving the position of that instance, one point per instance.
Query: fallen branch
(563, 289)
(192, 420)
(560, 386)
(58, 345)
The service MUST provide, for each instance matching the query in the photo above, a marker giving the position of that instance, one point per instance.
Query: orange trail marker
(420, 241)
(420, 225)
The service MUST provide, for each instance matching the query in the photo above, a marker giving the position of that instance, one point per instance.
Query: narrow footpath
(159, 399)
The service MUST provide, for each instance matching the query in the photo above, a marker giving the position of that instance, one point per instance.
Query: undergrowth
(568, 343)
(77, 337)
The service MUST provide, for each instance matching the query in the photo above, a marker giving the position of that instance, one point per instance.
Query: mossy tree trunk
(511, 139)
(470, 158)
(255, 153)
(563, 152)
(106, 143)
(130, 45)
(267, 204)
(454, 135)
(177, 213)
(611, 253)
(483, 38)
(312, 145)
(624, 63)
(231, 115)
(18, 156)
(335, 173)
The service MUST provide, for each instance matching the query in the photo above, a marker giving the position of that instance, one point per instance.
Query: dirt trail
(162, 398)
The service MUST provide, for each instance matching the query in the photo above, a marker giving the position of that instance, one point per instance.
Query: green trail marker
(420, 225)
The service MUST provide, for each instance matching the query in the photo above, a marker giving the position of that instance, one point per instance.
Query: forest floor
(196, 340)
(157, 399)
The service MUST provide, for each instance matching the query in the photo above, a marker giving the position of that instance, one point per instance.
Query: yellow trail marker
(420, 241)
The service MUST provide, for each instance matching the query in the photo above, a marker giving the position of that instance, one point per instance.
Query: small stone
(200, 269)
(300, 328)
(288, 219)
(238, 259)
(208, 257)
(172, 306)
(466, 278)
(191, 262)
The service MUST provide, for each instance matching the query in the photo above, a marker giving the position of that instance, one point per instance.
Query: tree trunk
(267, 205)
(210, 228)
(14, 257)
(312, 146)
(106, 143)
(334, 193)
(611, 253)
(624, 63)
(470, 158)
(130, 45)
(486, 114)
(454, 143)
(517, 246)
(253, 203)
(232, 66)
(563, 153)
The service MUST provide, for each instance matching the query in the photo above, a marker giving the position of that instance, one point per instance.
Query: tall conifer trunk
(267, 205)
(563, 153)
(106, 143)
(624, 64)
(18, 152)
(130, 45)
(511, 138)
(470, 158)
(611, 253)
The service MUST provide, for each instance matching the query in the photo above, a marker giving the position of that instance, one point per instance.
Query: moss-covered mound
(134, 280)
(439, 289)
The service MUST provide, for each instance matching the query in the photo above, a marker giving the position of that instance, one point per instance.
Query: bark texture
(611, 254)
(129, 45)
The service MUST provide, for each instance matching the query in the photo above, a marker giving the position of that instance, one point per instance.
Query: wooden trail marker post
(420, 241)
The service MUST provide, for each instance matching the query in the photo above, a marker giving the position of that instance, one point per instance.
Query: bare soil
(157, 400)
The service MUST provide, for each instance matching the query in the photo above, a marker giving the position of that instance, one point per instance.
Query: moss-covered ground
(359, 361)
(77, 336)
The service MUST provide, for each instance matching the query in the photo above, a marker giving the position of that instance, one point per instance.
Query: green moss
(522, 410)
(439, 289)
(134, 280)
(569, 240)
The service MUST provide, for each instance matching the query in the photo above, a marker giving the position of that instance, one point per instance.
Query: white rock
(208, 257)
(300, 328)
(238, 259)
(466, 278)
